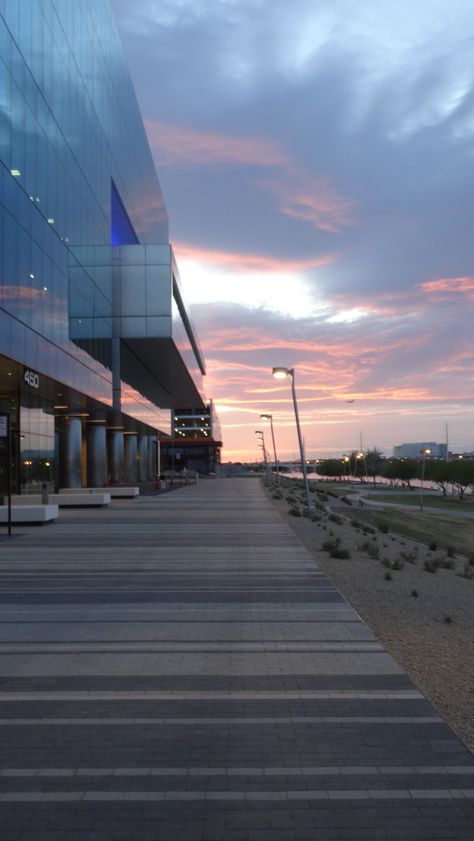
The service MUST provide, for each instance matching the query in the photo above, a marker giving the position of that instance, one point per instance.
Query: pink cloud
(174, 144)
(446, 288)
(248, 262)
(299, 194)
(312, 200)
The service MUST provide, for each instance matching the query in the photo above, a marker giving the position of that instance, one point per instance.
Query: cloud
(175, 144)
(448, 288)
(300, 195)
(311, 200)
(241, 262)
(316, 160)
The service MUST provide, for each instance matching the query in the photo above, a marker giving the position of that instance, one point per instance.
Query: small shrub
(335, 518)
(354, 524)
(316, 518)
(368, 530)
(433, 546)
(290, 498)
(346, 500)
(446, 563)
(294, 511)
(450, 552)
(277, 495)
(323, 497)
(340, 553)
(384, 528)
(328, 545)
(448, 619)
(414, 594)
(397, 564)
(467, 572)
(430, 565)
(372, 549)
(388, 576)
(409, 557)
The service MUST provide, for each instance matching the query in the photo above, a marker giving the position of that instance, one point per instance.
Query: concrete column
(130, 458)
(152, 468)
(96, 455)
(70, 453)
(143, 475)
(116, 456)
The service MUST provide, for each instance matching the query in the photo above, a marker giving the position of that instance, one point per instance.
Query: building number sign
(31, 378)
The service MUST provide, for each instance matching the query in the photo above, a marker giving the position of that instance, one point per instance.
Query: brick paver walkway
(176, 668)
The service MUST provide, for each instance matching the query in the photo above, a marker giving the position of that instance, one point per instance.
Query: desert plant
(446, 563)
(372, 549)
(433, 546)
(388, 576)
(450, 552)
(396, 564)
(294, 511)
(414, 594)
(448, 619)
(335, 518)
(340, 553)
(409, 557)
(467, 572)
(430, 565)
(328, 545)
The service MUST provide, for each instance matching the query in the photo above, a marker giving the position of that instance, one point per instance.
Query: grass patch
(414, 499)
(452, 532)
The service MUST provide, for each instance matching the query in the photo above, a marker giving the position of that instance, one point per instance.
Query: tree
(374, 462)
(331, 467)
(439, 472)
(462, 473)
(403, 470)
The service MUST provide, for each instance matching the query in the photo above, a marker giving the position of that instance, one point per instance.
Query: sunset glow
(317, 170)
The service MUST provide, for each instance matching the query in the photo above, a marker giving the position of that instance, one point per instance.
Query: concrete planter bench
(30, 513)
(78, 500)
(115, 493)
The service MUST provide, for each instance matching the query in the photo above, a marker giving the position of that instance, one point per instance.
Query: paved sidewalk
(176, 668)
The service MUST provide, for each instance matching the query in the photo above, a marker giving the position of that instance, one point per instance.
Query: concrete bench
(30, 513)
(115, 492)
(69, 500)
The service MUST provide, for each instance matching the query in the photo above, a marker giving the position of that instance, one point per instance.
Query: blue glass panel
(122, 232)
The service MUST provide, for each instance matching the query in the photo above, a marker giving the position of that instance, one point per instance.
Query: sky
(316, 160)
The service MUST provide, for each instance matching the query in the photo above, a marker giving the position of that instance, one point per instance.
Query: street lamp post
(261, 439)
(270, 418)
(281, 374)
(424, 453)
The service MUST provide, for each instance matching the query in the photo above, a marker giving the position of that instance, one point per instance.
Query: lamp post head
(266, 417)
(282, 373)
(426, 452)
(258, 432)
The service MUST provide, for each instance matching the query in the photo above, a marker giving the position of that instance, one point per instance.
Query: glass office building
(96, 343)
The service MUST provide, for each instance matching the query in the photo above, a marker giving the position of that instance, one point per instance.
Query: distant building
(414, 450)
(195, 443)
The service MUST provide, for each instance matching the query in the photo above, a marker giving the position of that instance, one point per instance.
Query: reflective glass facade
(76, 180)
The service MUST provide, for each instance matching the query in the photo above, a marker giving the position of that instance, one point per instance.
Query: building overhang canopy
(145, 309)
